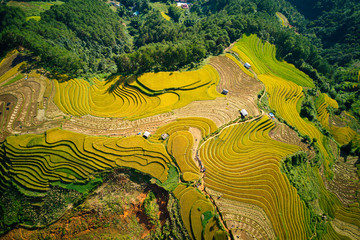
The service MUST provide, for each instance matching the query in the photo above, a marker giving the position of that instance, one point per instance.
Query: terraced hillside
(25, 104)
(242, 94)
(223, 170)
(182, 143)
(342, 135)
(283, 84)
(284, 91)
(262, 58)
(198, 214)
(148, 95)
(33, 162)
(62, 158)
(242, 165)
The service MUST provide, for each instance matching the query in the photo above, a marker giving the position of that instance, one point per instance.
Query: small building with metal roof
(247, 65)
(244, 113)
(146, 134)
(225, 92)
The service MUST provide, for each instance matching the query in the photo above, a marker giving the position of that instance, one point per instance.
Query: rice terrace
(114, 135)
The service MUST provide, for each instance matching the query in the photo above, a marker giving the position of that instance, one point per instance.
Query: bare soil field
(245, 221)
(284, 133)
(21, 102)
(242, 94)
(346, 184)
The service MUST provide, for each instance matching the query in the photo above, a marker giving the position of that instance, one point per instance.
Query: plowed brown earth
(245, 221)
(346, 184)
(284, 133)
(23, 108)
(242, 94)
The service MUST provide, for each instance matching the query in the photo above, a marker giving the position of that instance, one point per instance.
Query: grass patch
(33, 8)
(162, 7)
(172, 181)
(18, 77)
(36, 18)
(80, 187)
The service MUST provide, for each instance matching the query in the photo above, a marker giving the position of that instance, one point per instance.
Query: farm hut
(146, 134)
(164, 136)
(244, 113)
(271, 115)
(225, 92)
(247, 65)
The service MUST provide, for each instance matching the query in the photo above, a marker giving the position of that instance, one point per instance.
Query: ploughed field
(224, 170)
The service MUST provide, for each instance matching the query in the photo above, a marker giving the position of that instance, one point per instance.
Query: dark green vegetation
(78, 37)
(33, 8)
(333, 26)
(32, 211)
(302, 176)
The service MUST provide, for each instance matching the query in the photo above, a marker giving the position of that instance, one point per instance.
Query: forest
(120, 41)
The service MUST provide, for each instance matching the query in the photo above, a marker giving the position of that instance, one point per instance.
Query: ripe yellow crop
(150, 94)
(38, 160)
(243, 164)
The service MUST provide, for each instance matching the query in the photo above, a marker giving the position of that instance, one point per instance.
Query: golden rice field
(150, 94)
(261, 56)
(180, 146)
(205, 125)
(181, 142)
(283, 83)
(342, 135)
(242, 163)
(283, 96)
(10, 73)
(198, 214)
(34, 162)
(321, 107)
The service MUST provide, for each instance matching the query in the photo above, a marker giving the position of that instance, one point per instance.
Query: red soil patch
(93, 219)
